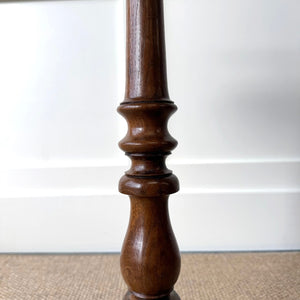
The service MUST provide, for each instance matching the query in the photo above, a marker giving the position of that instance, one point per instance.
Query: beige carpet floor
(232, 276)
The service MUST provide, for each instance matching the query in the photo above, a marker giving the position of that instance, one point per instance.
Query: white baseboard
(221, 206)
(194, 177)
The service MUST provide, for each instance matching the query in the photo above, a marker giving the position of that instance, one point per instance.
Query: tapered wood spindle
(150, 259)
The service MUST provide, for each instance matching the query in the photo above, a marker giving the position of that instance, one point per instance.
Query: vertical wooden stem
(150, 259)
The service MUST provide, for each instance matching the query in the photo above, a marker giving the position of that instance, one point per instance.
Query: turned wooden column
(150, 259)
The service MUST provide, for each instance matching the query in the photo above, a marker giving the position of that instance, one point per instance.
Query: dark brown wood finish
(150, 259)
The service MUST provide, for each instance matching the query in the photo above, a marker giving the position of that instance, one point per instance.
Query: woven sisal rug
(223, 276)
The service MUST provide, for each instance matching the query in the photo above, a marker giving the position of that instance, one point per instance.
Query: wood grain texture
(146, 63)
(150, 259)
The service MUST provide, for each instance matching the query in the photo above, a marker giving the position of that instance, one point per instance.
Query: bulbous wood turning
(150, 259)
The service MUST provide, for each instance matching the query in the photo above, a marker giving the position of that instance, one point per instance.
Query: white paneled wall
(233, 69)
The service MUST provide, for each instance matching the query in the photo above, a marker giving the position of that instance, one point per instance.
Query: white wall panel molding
(202, 222)
(68, 207)
(101, 178)
(237, 222)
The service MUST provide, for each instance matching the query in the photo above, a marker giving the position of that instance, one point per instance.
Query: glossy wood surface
(150, 259)
(146, 64)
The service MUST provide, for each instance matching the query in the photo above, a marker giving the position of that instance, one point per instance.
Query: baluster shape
(150, 258)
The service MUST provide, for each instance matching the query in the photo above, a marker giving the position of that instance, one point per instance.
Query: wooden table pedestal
(150, 258)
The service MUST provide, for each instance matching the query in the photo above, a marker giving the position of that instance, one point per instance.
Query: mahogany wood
(150, 259)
